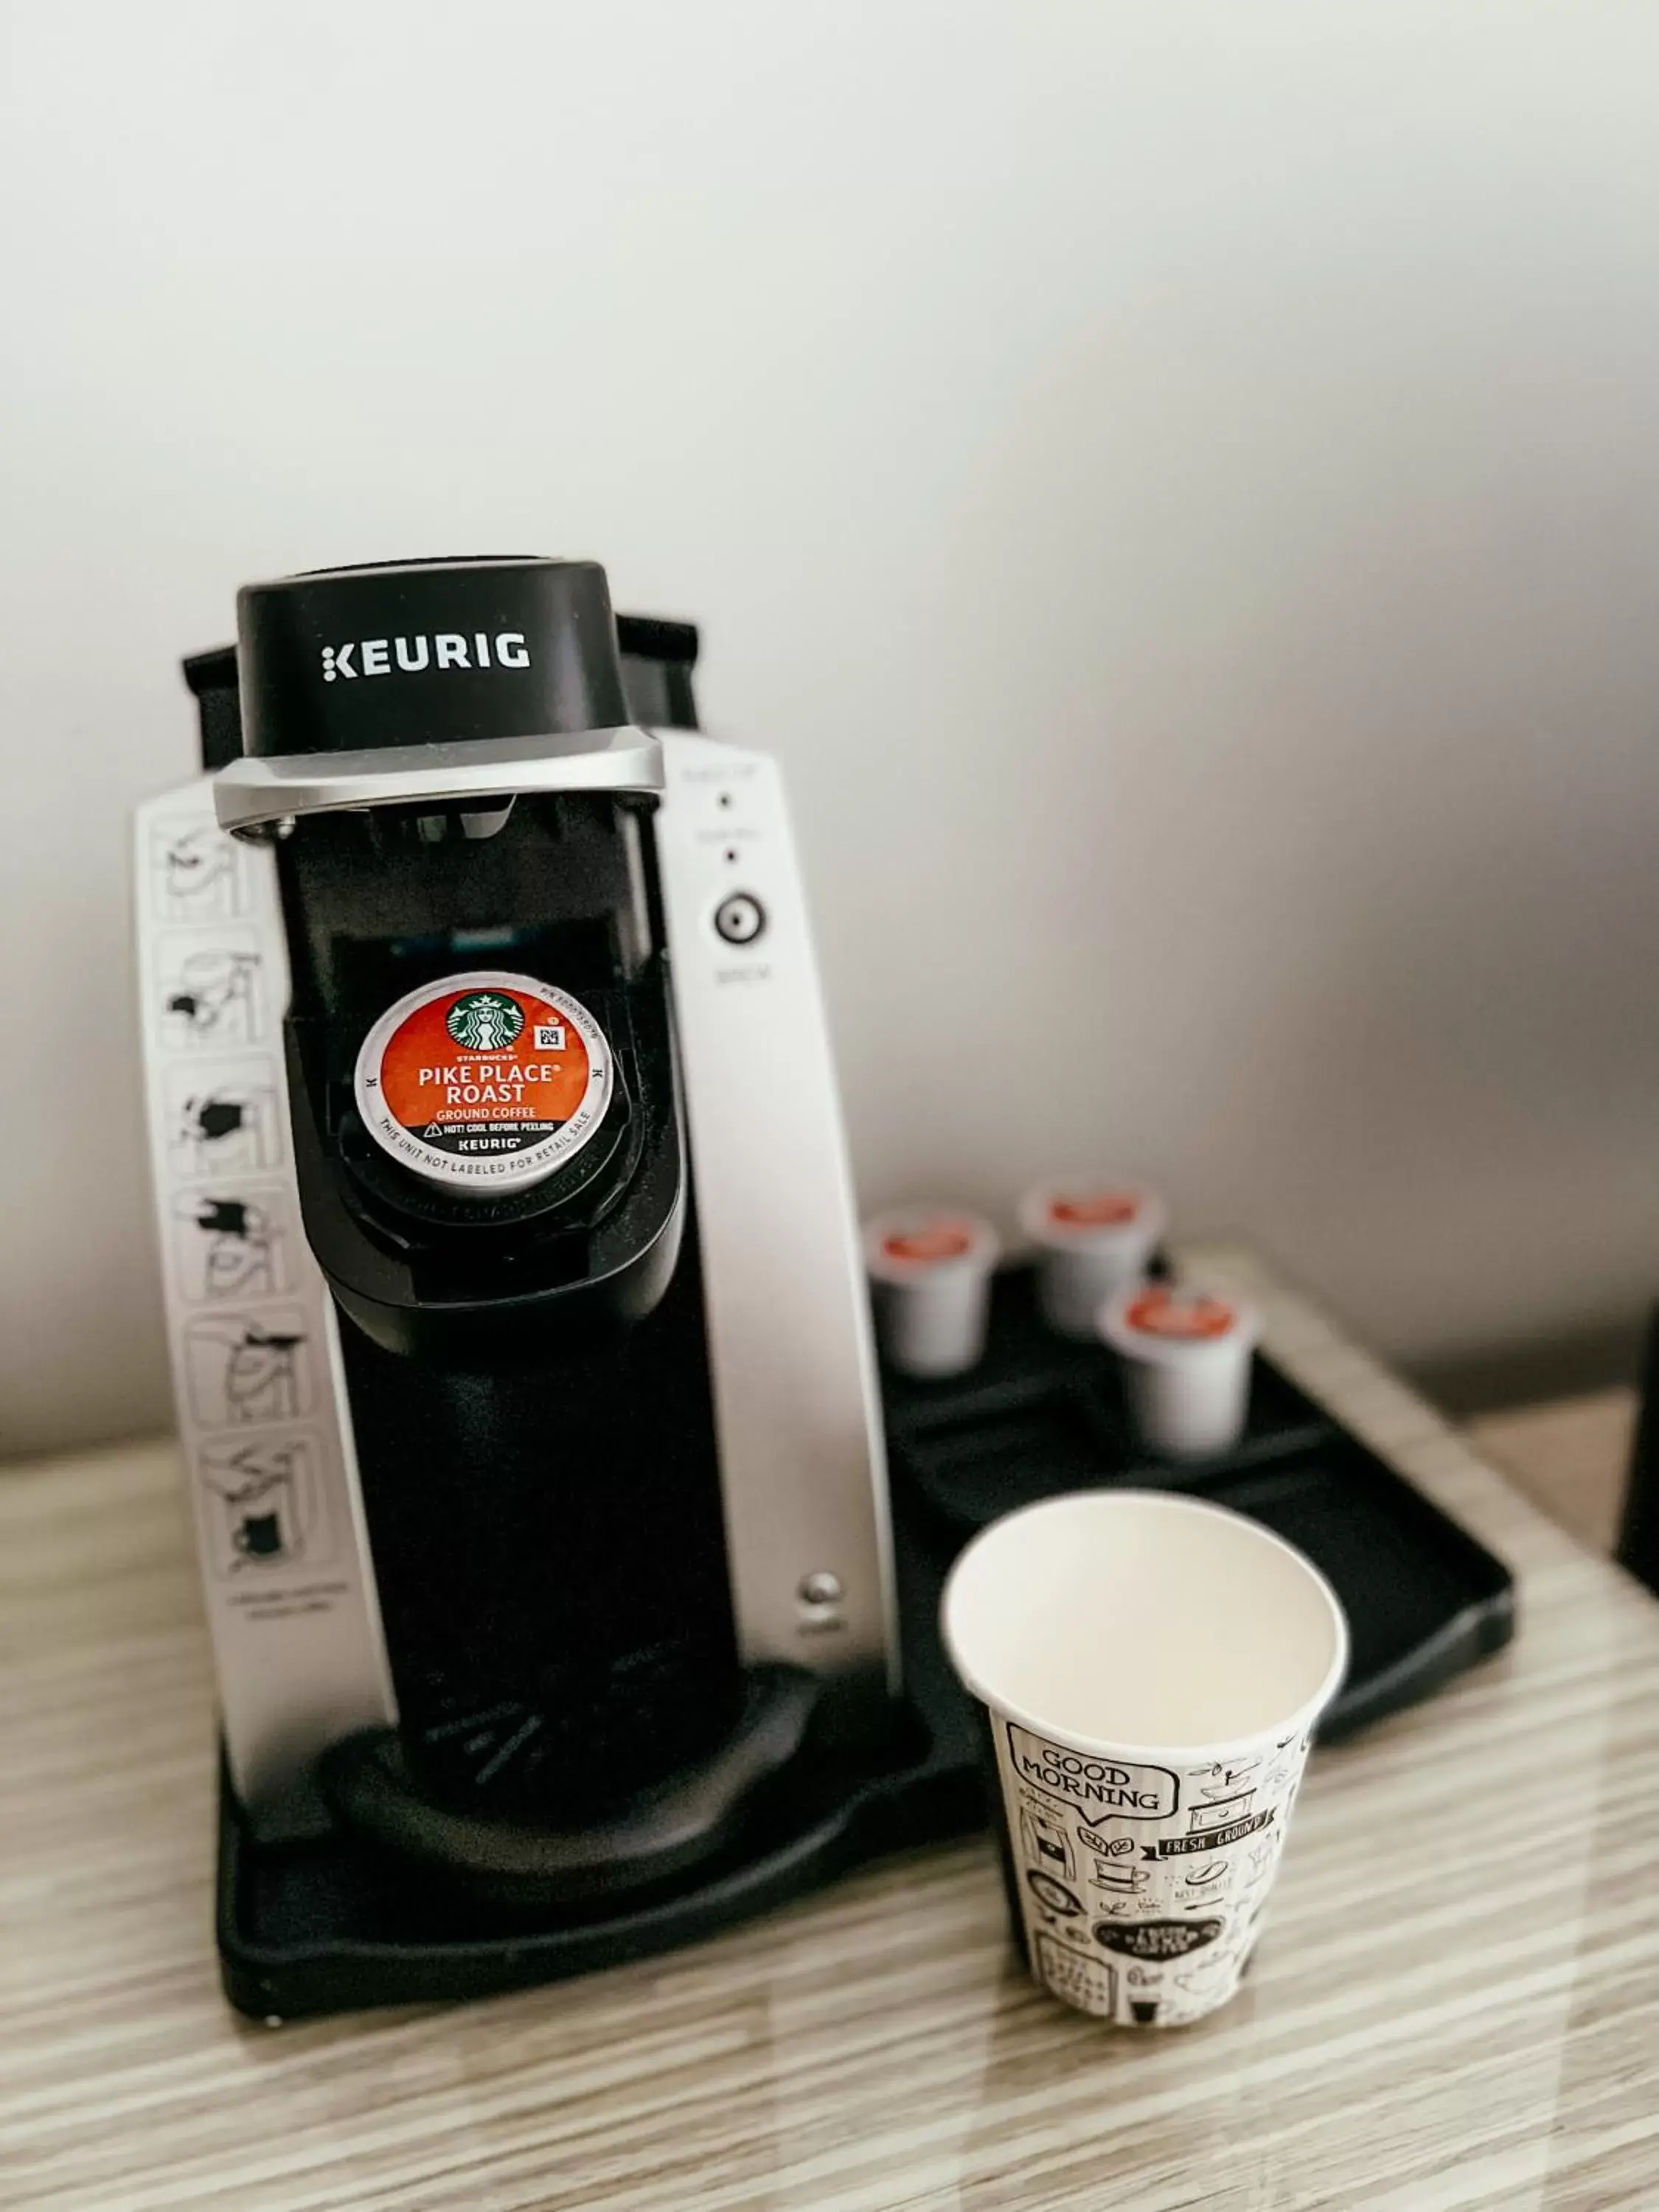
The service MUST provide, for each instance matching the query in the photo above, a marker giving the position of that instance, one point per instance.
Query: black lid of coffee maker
(410, 652)
(659, 658)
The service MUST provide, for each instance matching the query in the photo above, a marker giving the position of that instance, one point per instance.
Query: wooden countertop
(1456, 2004)
(1572, 1457)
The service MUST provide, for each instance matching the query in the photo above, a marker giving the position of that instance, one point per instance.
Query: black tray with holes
(1039, 1415)
(318, 1927)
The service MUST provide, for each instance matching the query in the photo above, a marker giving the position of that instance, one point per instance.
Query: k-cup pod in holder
(1150, 1667)
(1186, 1357)
(930, 1280)
(1092, 1237)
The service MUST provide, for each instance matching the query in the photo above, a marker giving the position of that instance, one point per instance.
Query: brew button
(739, 918)
(820, 1588)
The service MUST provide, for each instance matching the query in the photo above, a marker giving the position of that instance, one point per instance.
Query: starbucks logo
(485, 1021)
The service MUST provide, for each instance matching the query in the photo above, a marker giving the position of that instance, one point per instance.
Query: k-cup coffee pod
(1092, 1236)
(483, 1082)
(1186, 1357)
(1150, 1668)
(930, 1285)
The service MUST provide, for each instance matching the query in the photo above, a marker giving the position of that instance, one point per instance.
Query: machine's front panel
(532, 1416)
(802, 1464)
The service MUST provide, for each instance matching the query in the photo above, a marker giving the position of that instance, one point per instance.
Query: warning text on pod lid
(1102, 1785)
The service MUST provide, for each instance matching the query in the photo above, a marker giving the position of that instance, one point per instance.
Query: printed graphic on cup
(1089, 1984)
(1158, 1621)
(1099, 1786)
(484, 1082)
(1116, 1870)
(1047, 1842)
(1167, 1877)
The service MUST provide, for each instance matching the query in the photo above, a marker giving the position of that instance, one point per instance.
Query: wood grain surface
(1572, 1457)
(1456, 2003)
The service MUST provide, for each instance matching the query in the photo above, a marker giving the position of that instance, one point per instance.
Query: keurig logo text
(446, 649)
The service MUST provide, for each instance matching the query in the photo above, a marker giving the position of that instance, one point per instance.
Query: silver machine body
(264, 1417)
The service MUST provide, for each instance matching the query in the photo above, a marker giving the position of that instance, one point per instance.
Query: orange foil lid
(485, 1082)
(1181, 1316)
(930, 1246)
(1095, 1209)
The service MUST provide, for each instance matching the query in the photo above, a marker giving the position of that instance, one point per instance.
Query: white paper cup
(1186, 1356)
(1092, 1236)
(1150, 1668)
(930, 1285)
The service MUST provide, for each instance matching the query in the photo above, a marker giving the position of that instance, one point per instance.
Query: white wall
(1178, 484)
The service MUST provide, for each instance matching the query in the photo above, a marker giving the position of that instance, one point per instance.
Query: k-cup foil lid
(1095, 1209)
(1084, 1213)
(484, 1082)
(1174, 1322)
(915, 1241)
(928, 1247)
(1185, 1317)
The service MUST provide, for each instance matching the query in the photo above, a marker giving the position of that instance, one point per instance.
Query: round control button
(821, 1588)
(739, 918)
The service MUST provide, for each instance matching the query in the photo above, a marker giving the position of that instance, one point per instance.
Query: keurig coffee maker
(515, 1297)
(530, 1422)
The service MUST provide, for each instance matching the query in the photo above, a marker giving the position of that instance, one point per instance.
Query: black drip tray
(1039, 1415)
(1423, 1599)
(326, 1925)
(973, 1467)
